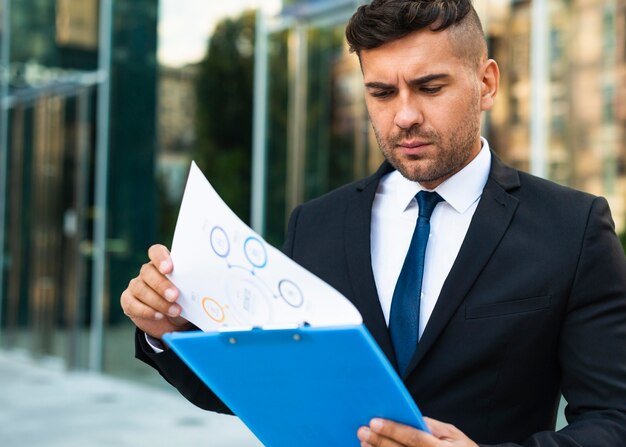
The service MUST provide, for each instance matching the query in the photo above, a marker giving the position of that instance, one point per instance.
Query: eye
(381, 94)
(431, 90)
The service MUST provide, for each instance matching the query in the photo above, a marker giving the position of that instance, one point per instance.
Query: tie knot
(427, 201)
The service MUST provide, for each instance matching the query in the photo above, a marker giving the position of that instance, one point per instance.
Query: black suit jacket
(535, 305)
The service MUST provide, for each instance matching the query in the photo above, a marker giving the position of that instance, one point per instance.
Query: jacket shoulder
(342, 195)
(528, 187)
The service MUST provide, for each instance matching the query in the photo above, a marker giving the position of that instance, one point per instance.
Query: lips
(412, 144)
(413, 147)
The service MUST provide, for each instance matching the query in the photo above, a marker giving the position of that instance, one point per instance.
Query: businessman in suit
(520, 291)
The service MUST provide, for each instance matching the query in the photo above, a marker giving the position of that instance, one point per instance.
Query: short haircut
(384, 21)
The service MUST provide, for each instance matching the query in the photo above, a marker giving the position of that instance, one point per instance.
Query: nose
(409, 114)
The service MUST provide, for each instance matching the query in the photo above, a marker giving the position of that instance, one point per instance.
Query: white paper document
(228, 276)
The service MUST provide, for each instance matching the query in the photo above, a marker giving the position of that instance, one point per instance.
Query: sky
(186, 25)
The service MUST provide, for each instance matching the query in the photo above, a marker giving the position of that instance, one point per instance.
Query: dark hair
(384, 21)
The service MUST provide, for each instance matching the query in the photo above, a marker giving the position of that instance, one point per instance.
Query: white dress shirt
(394, 214)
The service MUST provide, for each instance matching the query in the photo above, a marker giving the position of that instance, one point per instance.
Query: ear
(490, 81)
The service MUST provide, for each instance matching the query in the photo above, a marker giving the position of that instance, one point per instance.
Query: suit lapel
(358, 253)
(489, 224)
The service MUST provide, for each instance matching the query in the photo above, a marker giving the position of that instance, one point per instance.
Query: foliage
(224, 118)
(224, 111)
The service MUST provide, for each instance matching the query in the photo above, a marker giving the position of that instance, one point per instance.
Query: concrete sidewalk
(43, 406)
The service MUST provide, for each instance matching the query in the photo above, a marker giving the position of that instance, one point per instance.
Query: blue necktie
(405, 304)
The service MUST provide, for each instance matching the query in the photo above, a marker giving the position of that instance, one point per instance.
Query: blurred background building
(584, 103)
(74, 157)
(98, 127)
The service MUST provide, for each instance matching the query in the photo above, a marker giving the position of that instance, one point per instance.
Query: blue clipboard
(308, 386)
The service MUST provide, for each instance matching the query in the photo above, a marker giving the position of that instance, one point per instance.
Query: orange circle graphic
(217, 309)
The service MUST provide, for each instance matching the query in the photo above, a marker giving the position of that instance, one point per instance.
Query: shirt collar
(459, 191)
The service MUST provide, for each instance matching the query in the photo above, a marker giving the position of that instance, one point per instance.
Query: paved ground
(41, 405)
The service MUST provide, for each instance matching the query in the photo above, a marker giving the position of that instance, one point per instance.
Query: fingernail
(164, 266)
(364, 433)
(173, 311)
(158, 316)
(170, 294)
(376, 424)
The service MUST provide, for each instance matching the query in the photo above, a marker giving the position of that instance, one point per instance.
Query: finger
(139, 290)
(135, 309)
(402, 434)
(158, 282)
(370, 438)
(179, 322)
(160, 257)
(441, 430)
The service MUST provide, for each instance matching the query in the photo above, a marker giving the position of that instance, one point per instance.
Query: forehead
(420, 52)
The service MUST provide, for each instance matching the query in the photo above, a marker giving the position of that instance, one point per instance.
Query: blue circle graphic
(219, 242)
(255, 252)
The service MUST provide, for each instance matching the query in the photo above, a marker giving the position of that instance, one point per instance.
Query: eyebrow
(418, 81)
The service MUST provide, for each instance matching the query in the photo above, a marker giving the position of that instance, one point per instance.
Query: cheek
(381, 118)
(451, 114)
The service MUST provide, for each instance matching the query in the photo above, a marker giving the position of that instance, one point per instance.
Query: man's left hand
(385, 433)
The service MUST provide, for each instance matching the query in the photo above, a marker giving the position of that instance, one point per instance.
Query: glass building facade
(317, 133)
(75, 161)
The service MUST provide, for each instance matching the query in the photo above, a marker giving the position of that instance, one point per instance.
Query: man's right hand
(150, 299)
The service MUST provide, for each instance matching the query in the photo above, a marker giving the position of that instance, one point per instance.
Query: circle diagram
(219, 242)
(213, 309)
(291, 293)
(255, 252)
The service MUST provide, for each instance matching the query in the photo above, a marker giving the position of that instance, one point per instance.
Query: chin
(411, 174)
(414, 171)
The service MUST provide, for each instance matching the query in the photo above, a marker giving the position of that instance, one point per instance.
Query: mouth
(412, 147)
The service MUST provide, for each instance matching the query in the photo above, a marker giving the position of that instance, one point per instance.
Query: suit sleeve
(592, 348)
(178, 374)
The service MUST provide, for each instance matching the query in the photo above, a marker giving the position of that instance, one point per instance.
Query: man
(523, 286)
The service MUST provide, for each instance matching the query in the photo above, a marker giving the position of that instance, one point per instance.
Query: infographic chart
(249, 296)
(229, 276)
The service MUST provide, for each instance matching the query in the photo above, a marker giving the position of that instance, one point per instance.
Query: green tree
(224, 112)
